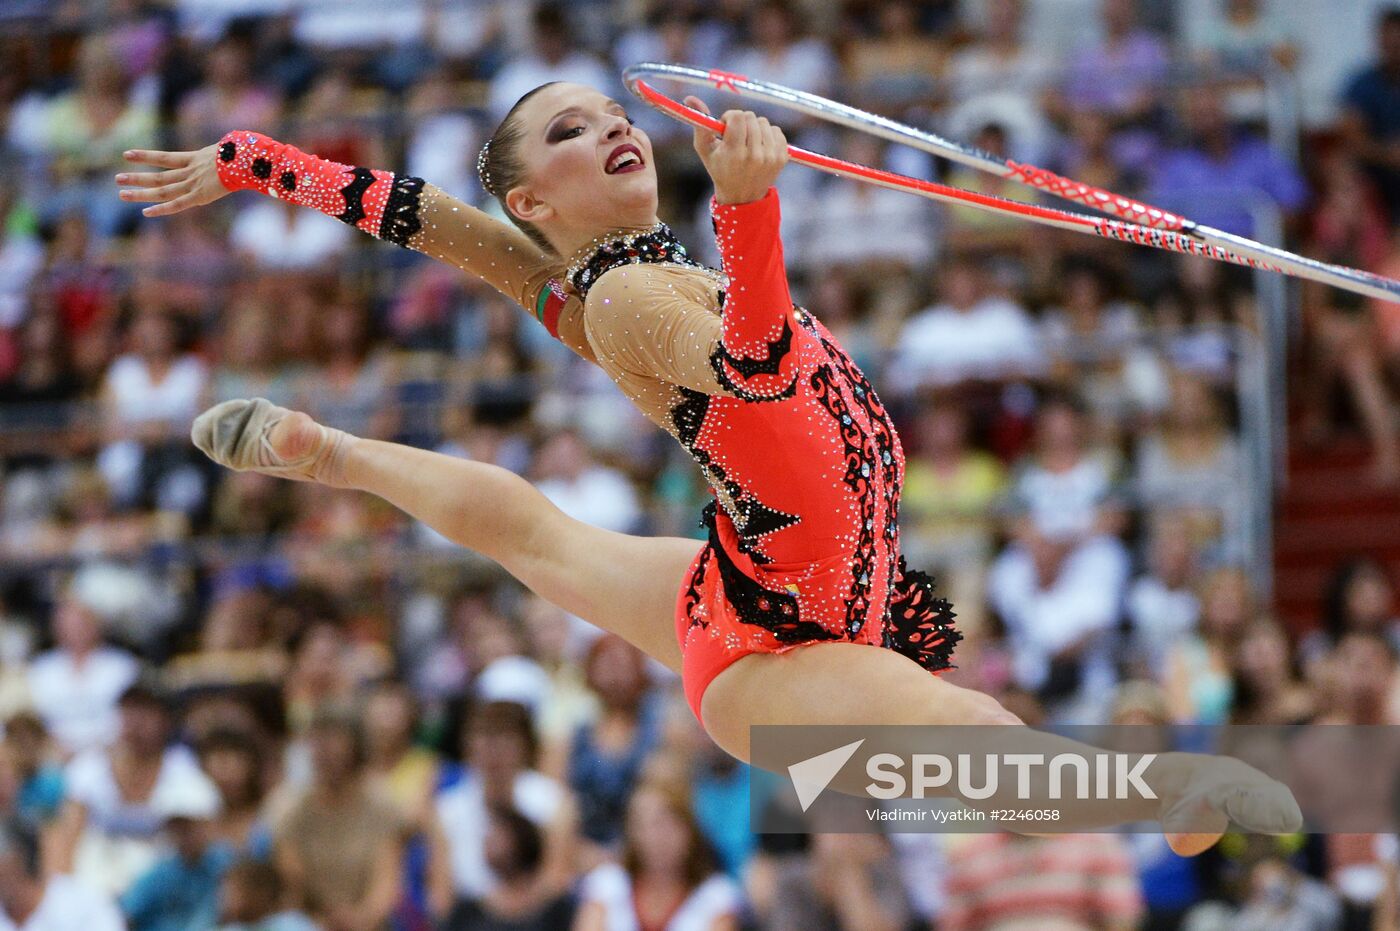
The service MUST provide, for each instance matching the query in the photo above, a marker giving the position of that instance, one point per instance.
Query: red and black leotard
(803, 459)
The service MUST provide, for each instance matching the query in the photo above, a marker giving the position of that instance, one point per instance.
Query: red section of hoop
(724, 80)
(826, 162)
(1095, 197)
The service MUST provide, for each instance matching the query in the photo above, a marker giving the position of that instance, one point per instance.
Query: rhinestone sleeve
(754, 358)
(412, 213)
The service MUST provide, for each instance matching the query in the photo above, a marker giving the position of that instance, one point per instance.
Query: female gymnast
(798, 609)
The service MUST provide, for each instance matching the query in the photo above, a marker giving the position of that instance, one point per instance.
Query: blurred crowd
(234, 702)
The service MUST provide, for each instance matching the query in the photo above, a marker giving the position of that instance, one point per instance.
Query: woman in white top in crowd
(668, 879)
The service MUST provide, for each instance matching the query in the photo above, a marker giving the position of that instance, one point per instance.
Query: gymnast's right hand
(190, 179)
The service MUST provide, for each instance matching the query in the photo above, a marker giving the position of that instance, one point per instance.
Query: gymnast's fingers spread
(156, 195)
(183, 202)
(159, 159)
(150, 178)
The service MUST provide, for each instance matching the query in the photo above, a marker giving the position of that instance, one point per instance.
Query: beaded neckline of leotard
(656, 244)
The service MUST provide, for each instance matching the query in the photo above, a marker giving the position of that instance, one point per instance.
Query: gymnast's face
(587, 168)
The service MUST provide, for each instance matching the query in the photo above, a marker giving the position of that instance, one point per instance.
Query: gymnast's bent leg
(623, 584)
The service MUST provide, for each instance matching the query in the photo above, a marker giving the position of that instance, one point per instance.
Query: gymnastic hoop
(1131, 220)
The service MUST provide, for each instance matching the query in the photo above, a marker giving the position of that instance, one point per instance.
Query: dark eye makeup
(560, 132)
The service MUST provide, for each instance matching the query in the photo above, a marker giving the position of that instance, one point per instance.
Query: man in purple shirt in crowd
(1121, 76)
(1219, 174)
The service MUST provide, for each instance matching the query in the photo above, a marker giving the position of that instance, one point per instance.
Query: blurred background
(1157, 489)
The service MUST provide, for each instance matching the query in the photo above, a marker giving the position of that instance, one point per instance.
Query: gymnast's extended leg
(623, 584)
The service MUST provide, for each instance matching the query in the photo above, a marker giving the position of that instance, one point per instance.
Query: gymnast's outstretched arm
(398, 208)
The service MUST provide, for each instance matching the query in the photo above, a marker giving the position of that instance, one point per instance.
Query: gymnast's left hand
(190, 179)
(746, 160)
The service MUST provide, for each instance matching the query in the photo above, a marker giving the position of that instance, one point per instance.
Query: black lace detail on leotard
(921, 623)
(776, 612)
(400, 220)
(654, 246)
(354, 194)
(860, 465)
(691, 598)
(724, 362)
(752, 518)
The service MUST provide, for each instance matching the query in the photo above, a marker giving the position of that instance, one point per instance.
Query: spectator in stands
(1122, 75)
(1081, 881)
(900, 64)
(75, 686)
(606, 757)
(38, 391)
(1194, 464)
(338, 847)
(1094, 339)
(181, 265)
(1282, 896)
(1162, 605)
(230, 98)
(775, 50)
(276, 237)
(249, 364)
(1001, 78)
(443, 136)
(38, 778)
(148, 396)
(1217, 173)
(1359, 596)
(514, 852)
(21, 255)
(181, 891)
(30, 900)
(235, 764)
(1091, 153)
(1199, 686)
(84, 132)
(1348, 335)
(107, 833)
(348, 384)
(554, 56)
(1241, 37)
(847, 882)
(1266, 685)
(403, 770)
(499, 749)
(667, 877)
(1058, 588)
(1170, 884)
(568, 475)
(968, 335)
(251, 899)
(1370, 121)
(950, 491)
